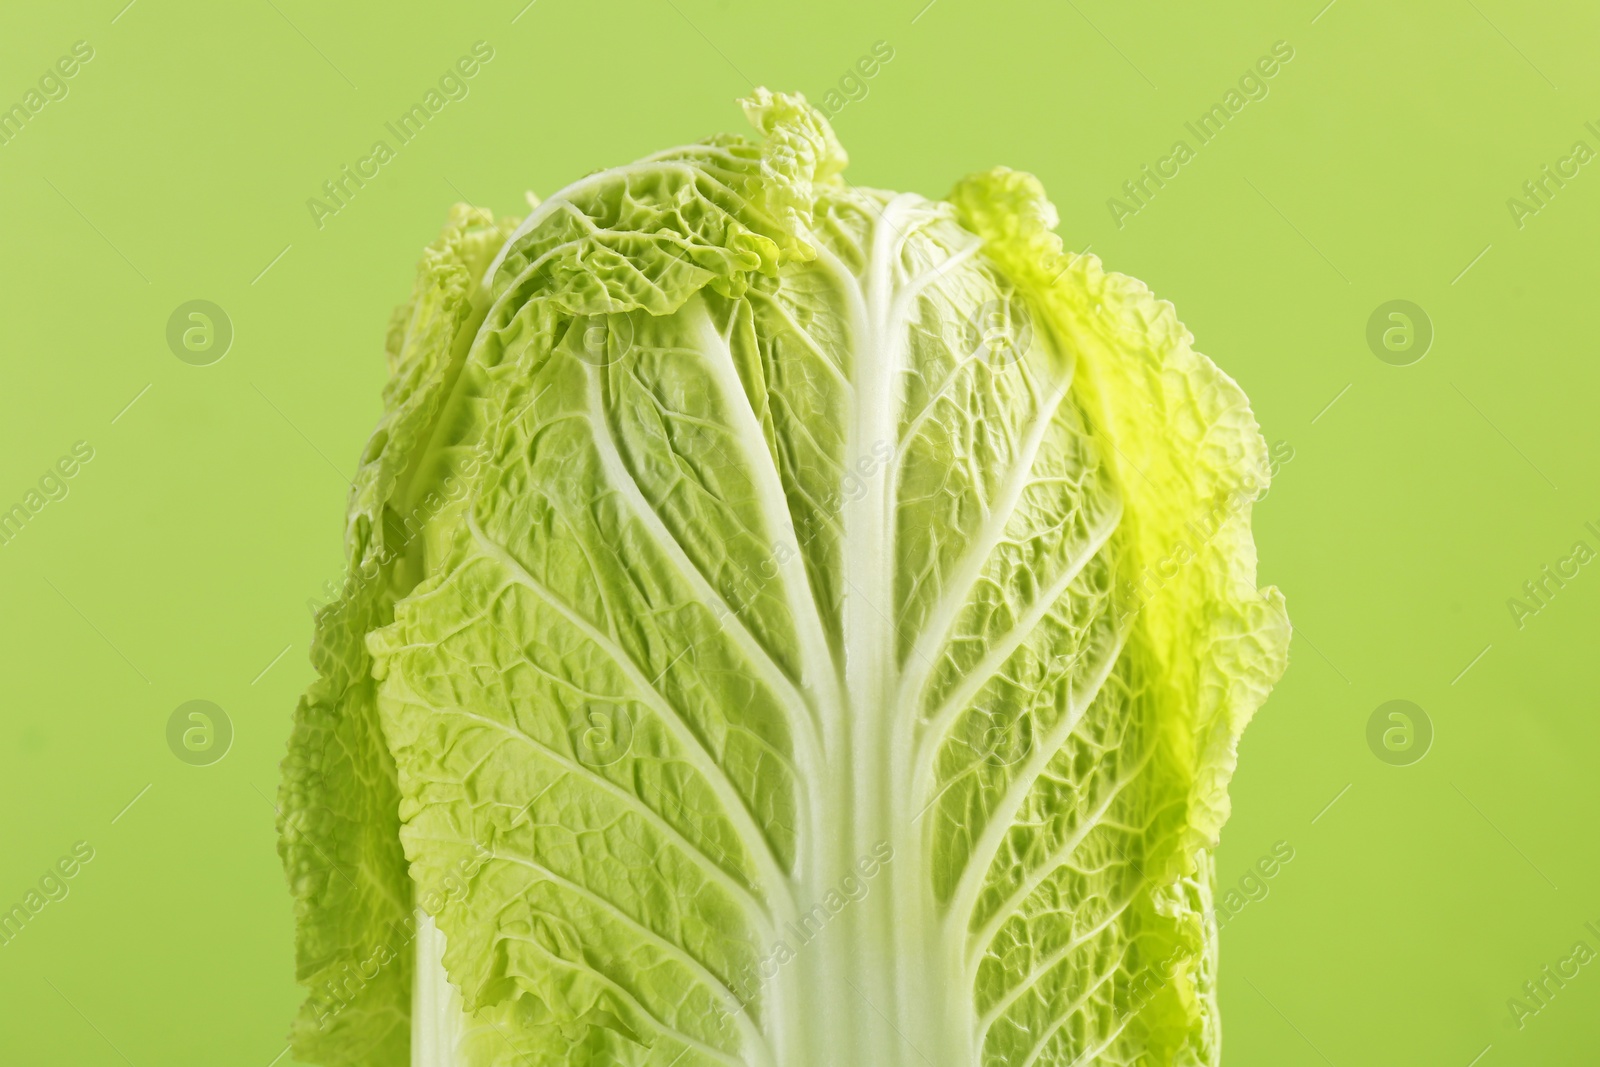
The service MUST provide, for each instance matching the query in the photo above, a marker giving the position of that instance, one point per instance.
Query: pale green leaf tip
(801, 143)
(1010, 211)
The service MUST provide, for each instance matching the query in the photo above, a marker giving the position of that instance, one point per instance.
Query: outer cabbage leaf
(338, 807)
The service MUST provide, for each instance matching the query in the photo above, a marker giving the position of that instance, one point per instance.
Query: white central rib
(436, 1013)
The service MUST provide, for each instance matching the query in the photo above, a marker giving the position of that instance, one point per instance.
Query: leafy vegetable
(790, 624)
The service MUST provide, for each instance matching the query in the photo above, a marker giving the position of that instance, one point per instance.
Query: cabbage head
(787, 624)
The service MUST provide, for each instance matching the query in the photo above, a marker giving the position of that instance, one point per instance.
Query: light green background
(1378, 168)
